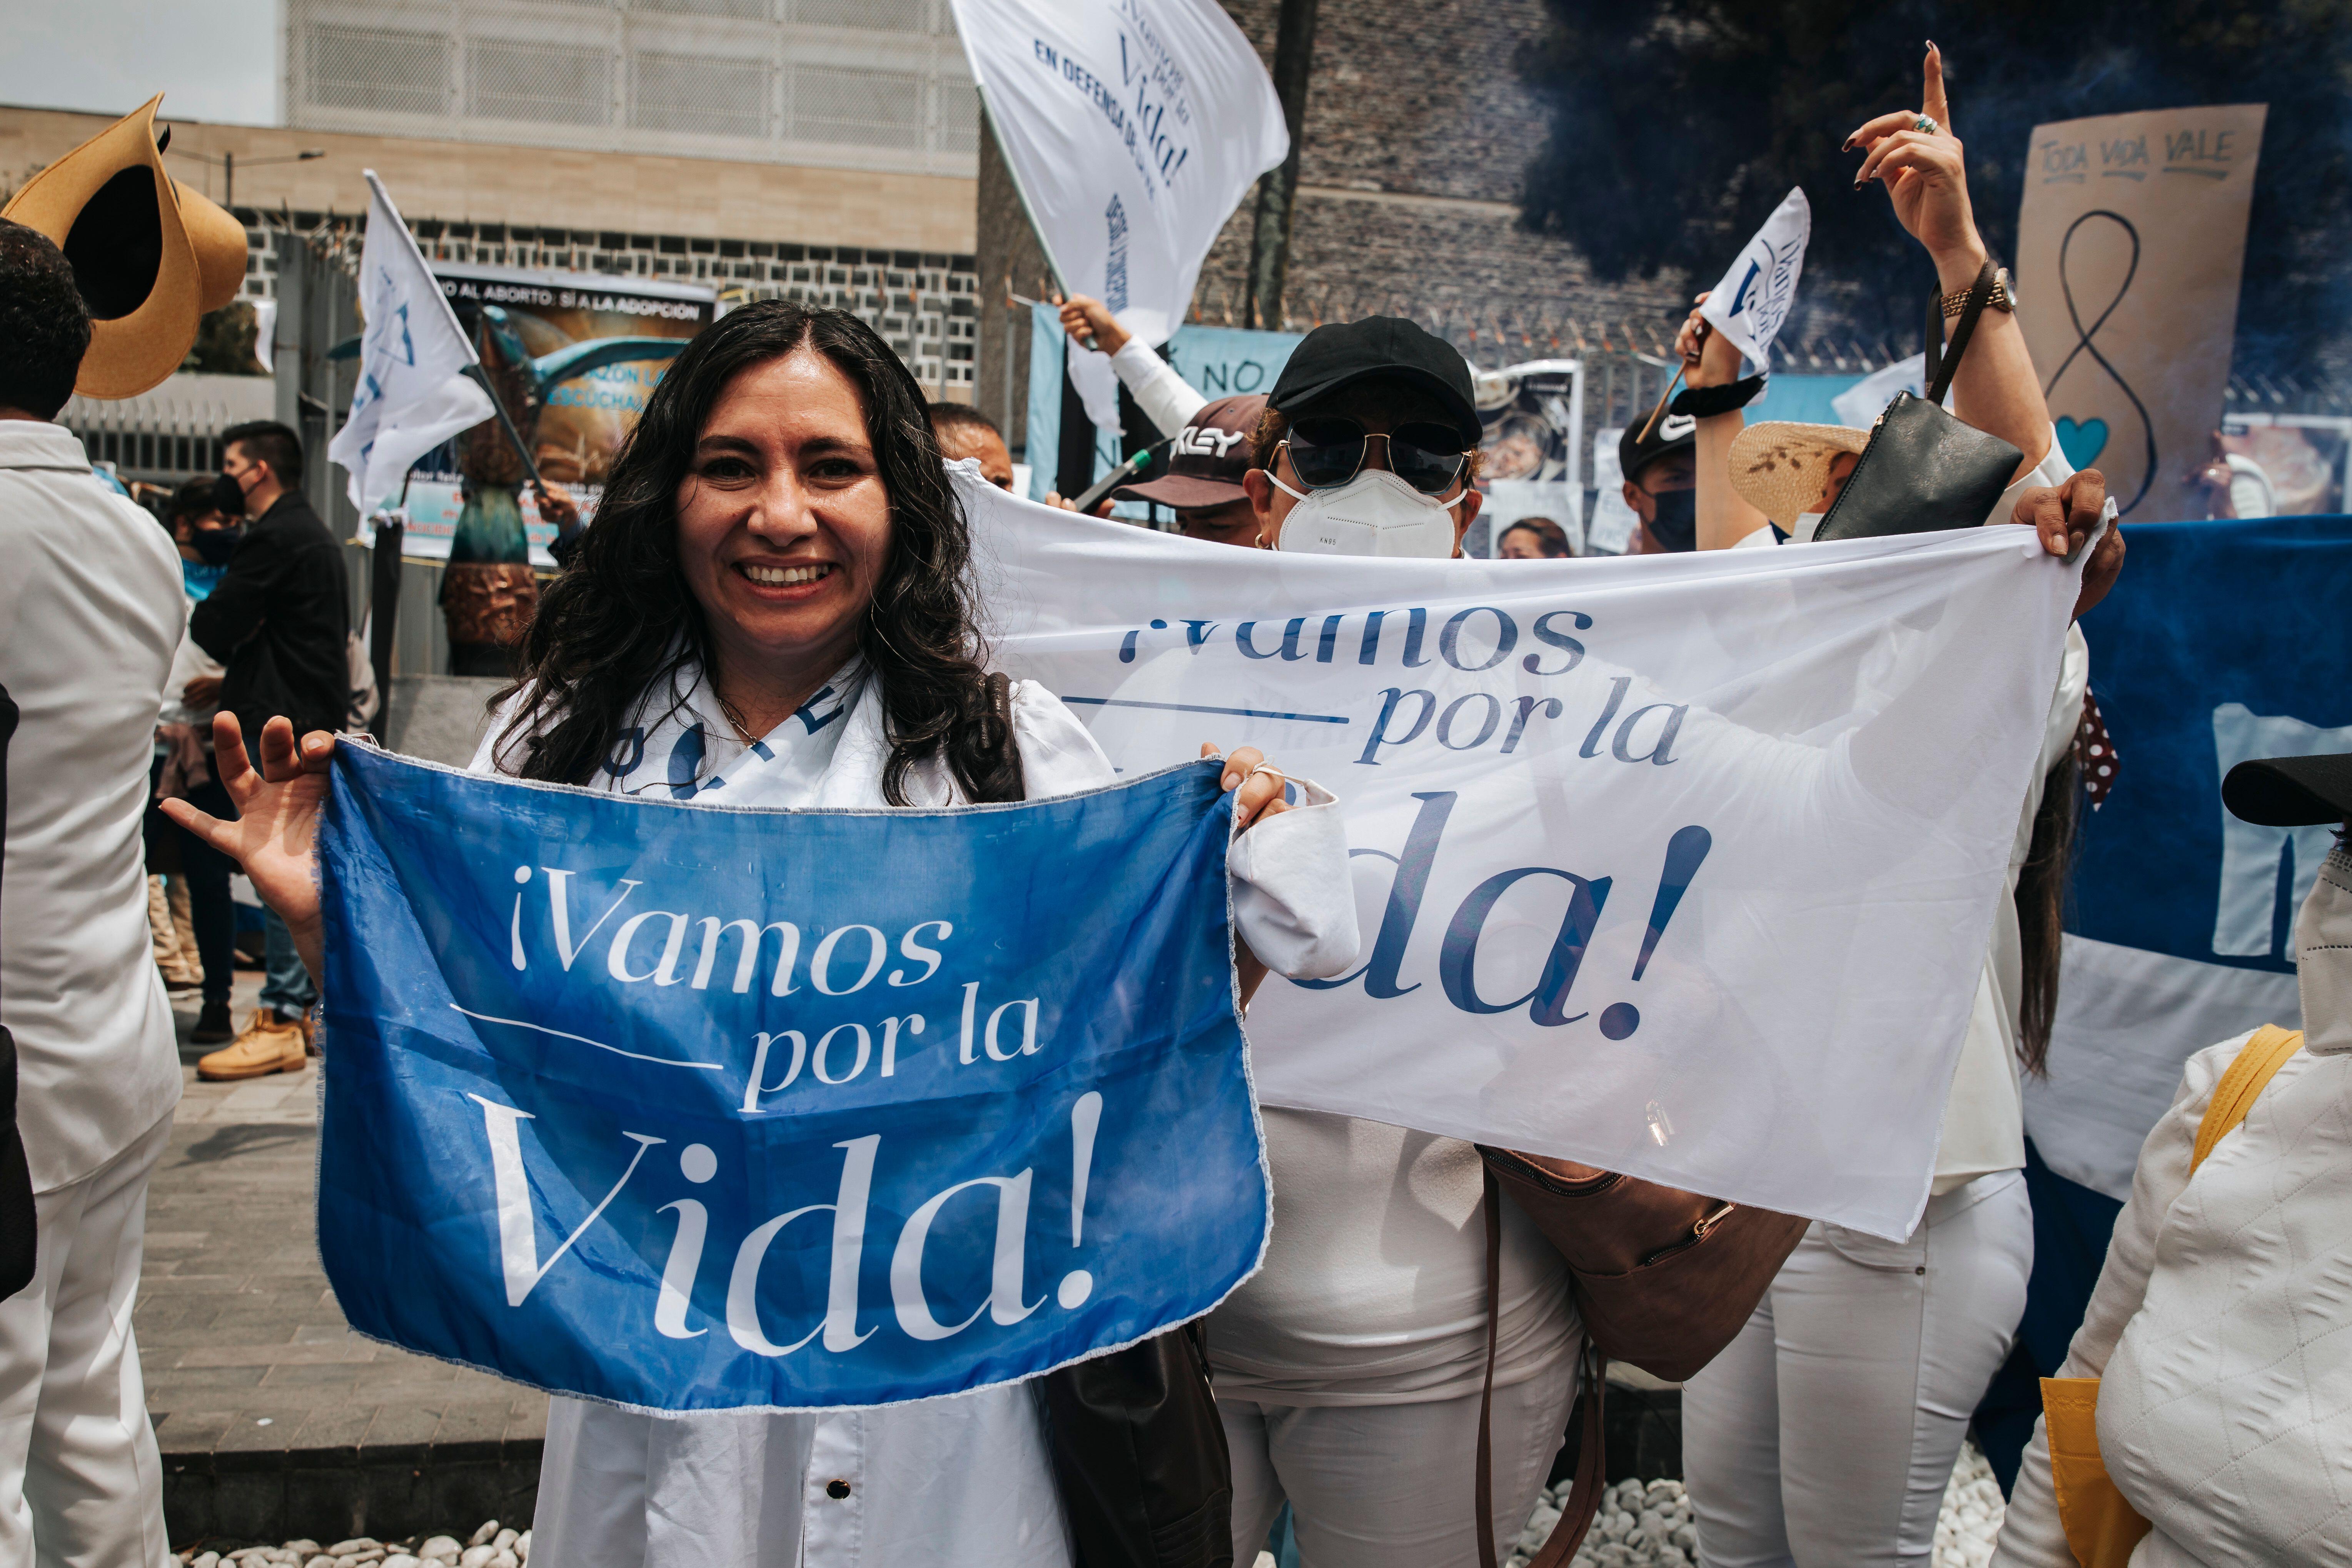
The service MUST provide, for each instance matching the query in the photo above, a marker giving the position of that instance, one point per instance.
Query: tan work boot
(269, 1044)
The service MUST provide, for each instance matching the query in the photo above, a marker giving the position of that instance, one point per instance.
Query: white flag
(1683, 865)
(413, 393)
(1754, 298)
(1133, 127)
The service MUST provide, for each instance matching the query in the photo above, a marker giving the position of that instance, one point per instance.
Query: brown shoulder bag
(1663, 1278)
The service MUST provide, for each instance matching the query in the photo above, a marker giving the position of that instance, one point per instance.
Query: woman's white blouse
(963, 1480)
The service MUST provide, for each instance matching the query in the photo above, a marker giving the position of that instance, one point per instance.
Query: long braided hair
(620, 622)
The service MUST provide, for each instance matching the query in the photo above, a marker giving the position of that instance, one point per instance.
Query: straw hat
(151, 256)
(1779, 467)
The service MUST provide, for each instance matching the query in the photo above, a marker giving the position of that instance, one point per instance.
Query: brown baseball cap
(1206, 459)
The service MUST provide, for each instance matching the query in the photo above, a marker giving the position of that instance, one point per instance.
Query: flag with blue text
(689, 1108)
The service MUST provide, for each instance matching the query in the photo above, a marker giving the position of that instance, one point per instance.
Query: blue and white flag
(689, 1108)
(1753, 302)
(2221, 642)
(413, 392)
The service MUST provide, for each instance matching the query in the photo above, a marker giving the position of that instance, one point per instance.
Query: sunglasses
(1331, 451)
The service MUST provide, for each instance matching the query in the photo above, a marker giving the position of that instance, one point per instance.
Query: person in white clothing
(774, 602)
(1826, 1432)
(1167, 399)
(2220, 1329)
(1347, 1370)
(90, 611)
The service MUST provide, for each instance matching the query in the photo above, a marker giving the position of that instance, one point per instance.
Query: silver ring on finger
(1926, 124)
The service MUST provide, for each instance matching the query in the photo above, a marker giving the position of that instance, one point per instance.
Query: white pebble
(484, 1536)
(355, 1546)
(440, 1548)
(476, 1557)
(402, 1559)
(506, 1559)
(522, 1546)
(206, 1560)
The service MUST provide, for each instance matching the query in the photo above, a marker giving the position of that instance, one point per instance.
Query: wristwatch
(2003, 297)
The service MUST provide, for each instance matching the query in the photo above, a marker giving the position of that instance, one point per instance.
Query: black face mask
(213, 546)
(228, 496)
(1675, 524)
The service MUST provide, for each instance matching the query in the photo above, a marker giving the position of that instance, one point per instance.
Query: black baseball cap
(1671, 432)
(1344, 353)
(2291, 791)
(1207, 459)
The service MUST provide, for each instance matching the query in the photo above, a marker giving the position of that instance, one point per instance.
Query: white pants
(1391, 1485)
(1826, 1434)
(81, 1482)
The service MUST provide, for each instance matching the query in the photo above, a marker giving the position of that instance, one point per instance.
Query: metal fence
(160, 444)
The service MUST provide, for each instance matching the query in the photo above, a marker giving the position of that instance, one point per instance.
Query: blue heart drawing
(2081, 443)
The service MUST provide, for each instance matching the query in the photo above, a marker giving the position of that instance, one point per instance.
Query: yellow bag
(2101, 1528)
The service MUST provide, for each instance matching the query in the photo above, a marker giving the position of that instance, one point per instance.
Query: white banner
(1132, 127)
(1679, 864)
(1755, 295)
(413, 392)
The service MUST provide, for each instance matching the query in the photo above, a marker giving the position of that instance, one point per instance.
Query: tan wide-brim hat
(150, 255)
(1780, 468)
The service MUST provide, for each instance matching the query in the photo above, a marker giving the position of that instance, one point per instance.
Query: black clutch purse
(1923, 469)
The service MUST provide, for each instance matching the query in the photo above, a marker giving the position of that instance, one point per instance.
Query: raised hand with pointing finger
(1921, 162)
(1914, 154)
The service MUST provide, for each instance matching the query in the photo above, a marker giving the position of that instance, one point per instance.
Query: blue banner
(2221, 641)
(691, 1107)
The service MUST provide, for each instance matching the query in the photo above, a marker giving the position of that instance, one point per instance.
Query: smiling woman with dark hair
(772, 605)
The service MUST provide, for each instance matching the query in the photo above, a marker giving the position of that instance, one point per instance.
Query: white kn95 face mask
(1375, 514)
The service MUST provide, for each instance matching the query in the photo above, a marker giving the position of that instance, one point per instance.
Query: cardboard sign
(2129, 246)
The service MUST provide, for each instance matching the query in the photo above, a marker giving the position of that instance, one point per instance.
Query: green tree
(1676, 126)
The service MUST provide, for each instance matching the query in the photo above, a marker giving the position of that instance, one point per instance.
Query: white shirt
(1165, 397)
(1374, 1289)
(90, 611)
(965, 1479)
(1984, 1115)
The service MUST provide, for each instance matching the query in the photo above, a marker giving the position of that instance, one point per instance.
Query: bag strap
(2257, 1063)
(1592, 1366)
(1942, 362)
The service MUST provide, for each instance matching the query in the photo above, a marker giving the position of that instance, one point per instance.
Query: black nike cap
(1339, 355)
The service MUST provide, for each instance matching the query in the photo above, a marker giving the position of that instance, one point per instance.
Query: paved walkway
(248, 1358)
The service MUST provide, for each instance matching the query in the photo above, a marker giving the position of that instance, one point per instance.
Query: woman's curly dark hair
(620, 621)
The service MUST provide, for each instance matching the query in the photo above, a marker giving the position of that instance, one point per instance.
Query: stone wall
(1417, 137)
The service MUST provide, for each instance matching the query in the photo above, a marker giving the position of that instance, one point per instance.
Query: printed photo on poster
(1533, 470)
(574, 357)
(2304, 458)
